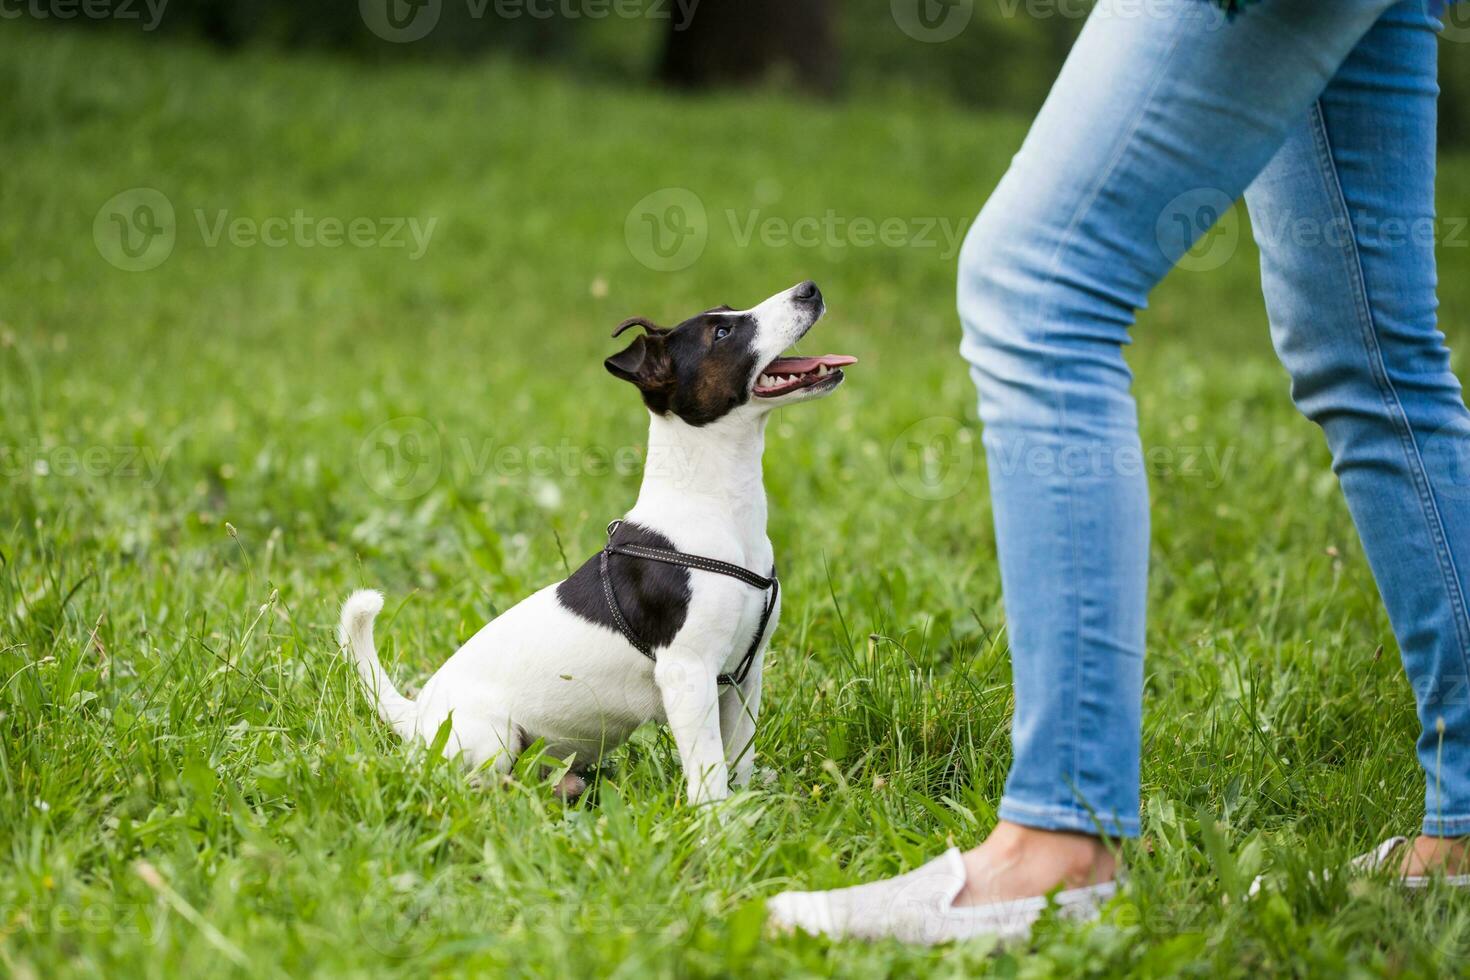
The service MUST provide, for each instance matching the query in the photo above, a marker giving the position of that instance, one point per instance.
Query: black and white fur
(554, 667)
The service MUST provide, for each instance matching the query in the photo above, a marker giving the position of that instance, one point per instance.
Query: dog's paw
(569, 787)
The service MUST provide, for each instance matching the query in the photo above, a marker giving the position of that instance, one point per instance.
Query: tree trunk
(740, 42)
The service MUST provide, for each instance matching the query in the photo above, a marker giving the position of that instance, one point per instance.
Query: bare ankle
(1426, 855)
(1017, 861)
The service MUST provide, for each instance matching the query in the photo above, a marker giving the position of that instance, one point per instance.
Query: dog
(680, 637)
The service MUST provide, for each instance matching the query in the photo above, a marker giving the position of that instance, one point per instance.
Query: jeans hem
(1074, 819)
(1438, 826)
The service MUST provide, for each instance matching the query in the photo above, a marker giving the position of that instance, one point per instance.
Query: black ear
(626, 364)
(645, 363)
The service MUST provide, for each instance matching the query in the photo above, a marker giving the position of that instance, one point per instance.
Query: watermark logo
(399, 921)
(1446, 455)
(667, 230)
(932, 21)
(149, 12)
(135, 230)
(1209, 15)
(1456, 20)
(670, 229)
(405, 21)
(832, 230)
(933, 458)
(400, 21)
(401, 458)
(38, 460)
(303, 230)
(1190, 231)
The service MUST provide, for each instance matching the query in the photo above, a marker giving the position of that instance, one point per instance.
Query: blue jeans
(1323, 115)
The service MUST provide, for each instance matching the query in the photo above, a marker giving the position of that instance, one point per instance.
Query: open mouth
(787, 374)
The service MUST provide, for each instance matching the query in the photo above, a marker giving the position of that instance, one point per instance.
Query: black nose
(807, 291)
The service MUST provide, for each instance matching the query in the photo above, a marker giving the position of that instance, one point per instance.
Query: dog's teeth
(822, 371)
(765, 381)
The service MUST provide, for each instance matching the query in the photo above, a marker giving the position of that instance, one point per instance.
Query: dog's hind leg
(487, 745)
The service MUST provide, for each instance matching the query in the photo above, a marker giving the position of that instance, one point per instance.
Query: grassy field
(201, 458)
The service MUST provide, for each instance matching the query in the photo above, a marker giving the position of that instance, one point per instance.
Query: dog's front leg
(739, 708)
(691, 704)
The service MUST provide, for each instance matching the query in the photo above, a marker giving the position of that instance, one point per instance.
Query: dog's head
(723, 360)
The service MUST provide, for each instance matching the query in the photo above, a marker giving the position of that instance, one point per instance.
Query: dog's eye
(721, 332)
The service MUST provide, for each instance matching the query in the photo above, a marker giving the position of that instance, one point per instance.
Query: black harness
(772, 585)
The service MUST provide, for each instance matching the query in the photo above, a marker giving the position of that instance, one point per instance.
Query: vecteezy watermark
(1432, 691)
(934, 458)
(410, 916)
(1361, 229)
(1211, 14)
(137, 230)
(1446, 455)
(306, 231)
(53, 919)
(142, 463)
(833, 230)
(1199, 230)
(148, 12)
(406, 21)
(937, 21)
(1190, 231)
(1207, 463)
(932, 21)
(1456, 20)
(401, 458)
(405, 457)
(669, 230)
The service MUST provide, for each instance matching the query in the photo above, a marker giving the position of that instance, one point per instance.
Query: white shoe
(1379, 858)
(918, 907)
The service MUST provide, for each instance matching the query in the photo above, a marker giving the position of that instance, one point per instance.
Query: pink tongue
(801, 365)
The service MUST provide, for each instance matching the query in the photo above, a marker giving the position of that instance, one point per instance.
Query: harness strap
(771, 584)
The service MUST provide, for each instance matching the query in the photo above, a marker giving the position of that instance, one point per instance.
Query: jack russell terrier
(670, 622)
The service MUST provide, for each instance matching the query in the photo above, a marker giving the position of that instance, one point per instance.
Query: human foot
(1427, 855)
(1417, 863)
(1021, 862)
(940, 902)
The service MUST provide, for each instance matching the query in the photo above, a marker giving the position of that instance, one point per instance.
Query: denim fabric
(1139, 147)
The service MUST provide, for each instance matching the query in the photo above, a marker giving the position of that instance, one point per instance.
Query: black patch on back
(653, 595)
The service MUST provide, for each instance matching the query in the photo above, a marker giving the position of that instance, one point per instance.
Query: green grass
(190, 777)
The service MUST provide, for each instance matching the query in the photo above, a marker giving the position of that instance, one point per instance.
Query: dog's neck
(707, 473)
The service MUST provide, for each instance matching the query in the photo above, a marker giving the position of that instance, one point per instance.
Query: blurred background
(995, 54)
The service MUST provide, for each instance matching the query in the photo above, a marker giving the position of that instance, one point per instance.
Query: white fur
(541, 672)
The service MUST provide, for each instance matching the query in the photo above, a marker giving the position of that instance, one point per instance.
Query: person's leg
(1162, 115)
(1344, 215)
(1155, 126)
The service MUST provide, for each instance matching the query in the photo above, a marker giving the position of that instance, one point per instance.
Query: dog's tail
(355, 634)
